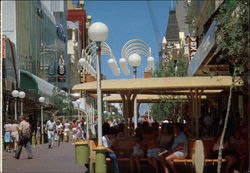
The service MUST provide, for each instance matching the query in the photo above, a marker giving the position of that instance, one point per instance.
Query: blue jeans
(113, 157)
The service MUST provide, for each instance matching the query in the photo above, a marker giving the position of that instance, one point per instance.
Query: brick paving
(59, 159)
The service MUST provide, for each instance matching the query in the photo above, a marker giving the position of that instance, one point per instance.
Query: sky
(128, 20)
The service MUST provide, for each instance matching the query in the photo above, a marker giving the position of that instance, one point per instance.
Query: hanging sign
(61, 67)
(192, 46)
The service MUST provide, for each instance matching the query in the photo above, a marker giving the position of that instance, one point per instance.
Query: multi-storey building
(32, 27)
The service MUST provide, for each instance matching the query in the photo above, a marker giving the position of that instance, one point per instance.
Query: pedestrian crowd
(18, 134)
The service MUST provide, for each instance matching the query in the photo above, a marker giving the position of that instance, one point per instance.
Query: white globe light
(134, 60)
(123, 61)
(98, 31)
(113, 113)
(150, 61)
(104, 112)
(114, 67)
(82, 62)
(21, 94)
(15, 93)
(41, 99)
(78, 101)
(124, 66)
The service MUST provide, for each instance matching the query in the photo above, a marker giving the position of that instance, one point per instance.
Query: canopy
(160, 85)
(116, 98)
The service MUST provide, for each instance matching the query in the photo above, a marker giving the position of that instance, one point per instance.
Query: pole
(99, 93)
(42, 124)
(21, 107)
(78, 111)
(15, 109)
(135, 101)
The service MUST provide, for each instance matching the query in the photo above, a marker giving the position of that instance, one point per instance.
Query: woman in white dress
(59, 128)
(15, 134)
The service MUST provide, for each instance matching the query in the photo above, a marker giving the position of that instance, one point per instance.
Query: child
(138, 152)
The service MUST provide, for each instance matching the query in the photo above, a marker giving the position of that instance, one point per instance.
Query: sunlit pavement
(58, 159)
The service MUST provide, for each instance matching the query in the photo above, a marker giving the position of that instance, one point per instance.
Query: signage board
(203, 50)
(192, 45)
(61, 78)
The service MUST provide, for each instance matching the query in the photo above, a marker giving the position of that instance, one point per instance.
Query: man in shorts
(179, 149)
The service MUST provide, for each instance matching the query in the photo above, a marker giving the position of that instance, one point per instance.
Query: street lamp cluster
(130, 54)
(21, 95)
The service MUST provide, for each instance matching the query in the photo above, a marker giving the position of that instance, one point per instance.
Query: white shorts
(180, 155)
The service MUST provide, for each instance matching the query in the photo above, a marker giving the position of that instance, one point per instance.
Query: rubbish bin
(82, 152)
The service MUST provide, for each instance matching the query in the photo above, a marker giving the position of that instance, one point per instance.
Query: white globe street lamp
(42, 101)
(98, 32)
(134, 60)
(15, 94)
(21, 95)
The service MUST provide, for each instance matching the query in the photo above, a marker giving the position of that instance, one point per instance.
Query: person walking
(59, 129)
(24, 131)
(38, 133)
(7, 135)
(50, 129)
(66, 131)
(15, 134)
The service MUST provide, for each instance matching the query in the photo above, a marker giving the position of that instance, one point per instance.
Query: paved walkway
(59, 159)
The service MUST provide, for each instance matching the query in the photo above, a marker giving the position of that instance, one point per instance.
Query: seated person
(238, 144)
(110, 134)
(227, 152)
(138, 152)
(179, 149)
(163, 142)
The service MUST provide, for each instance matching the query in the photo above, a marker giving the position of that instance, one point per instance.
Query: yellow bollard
(33, 140)
(82, 152)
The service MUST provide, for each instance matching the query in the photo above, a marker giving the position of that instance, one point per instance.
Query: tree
(232, 39)
(167, 108)
(62, 102)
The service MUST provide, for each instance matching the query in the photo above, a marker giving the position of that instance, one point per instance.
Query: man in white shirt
(50, 129)
(24, 131)
(106, 142)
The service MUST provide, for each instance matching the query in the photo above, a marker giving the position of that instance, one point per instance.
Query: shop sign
(203, 50)
(214, 69)
(61, 79)
(61, 70)
(60, 33)
(82, 77)
(51, 79)
(192, 46)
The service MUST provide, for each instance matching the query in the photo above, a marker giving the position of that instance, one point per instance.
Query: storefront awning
(30, 82)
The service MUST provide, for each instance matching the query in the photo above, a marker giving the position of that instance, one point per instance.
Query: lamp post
(78, 108)
(21, 95)
(98, 32)
(130, 54)
(134, 61)
(42, 100)
(15, 95)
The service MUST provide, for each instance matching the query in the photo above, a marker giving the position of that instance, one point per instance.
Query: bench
(198, 156)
